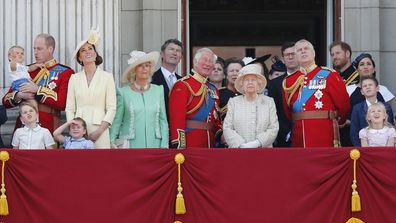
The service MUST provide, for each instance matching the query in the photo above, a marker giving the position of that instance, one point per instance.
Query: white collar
(383, 130)
(369, 103)
(35, 129)
(166, 73)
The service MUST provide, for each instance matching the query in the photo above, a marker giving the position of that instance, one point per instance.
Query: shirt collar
(166, 72)
(77, 140)
(308, 69)
(383, 130)
(369, 103)
(35, 129)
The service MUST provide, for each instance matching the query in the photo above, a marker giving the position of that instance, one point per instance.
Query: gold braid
(351, 78)
(289, 91)
(203, 91)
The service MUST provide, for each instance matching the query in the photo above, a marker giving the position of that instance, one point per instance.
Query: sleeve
(386, 93)
(178, 101)
(363, 133)
(8, 99)
(71, 100)
(355, 127)
(66, 141)
(48, 140)
(339, 96)
(389, 111)
(268, 137)
(55, 98)
(3, 114)
(118, 118)
(16, 139)
(286, 109)
(89, 145)
(111, 100)
(163, 120)
(233, 139)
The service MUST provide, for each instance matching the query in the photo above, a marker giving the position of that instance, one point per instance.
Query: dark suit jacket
(275, 91)
(3, 119)
(159, 79)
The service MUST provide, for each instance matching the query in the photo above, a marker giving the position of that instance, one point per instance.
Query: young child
(369, 89)
(32, 135)
(17, 71)
(379, 132)
(78, 134)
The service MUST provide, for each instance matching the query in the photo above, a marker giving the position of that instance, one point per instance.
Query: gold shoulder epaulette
(185, 77)
(328, 68)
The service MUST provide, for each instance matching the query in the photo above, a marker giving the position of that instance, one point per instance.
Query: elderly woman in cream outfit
(251, 120)
(91, 93)
(140, 121)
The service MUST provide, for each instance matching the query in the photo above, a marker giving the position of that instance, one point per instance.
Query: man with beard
(341, 54)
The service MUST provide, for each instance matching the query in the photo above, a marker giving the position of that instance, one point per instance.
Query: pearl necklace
(141, 88)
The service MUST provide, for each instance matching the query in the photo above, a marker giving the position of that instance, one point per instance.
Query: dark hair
(357, 60)
(174, 41)
(98, 60)
(344, 46)
(286, 45)
(84, 124)
(369, 78)
(230, 61)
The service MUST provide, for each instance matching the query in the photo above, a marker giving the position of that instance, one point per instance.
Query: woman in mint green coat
(140, 120)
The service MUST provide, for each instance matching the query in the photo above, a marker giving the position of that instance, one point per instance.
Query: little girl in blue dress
(78, 134)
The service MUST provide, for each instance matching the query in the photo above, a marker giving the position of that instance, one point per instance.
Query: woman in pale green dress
(140, 120)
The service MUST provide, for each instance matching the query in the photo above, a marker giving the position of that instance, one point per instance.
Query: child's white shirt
(20, 72)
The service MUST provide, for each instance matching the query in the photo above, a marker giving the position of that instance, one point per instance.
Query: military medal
(213, 94)
(52, 85)
(318, 95)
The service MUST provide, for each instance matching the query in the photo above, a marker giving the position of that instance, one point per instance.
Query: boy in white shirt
(32, 135)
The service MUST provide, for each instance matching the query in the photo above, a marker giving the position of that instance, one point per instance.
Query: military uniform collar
(201, 79)
(50, 63)
(308, 69)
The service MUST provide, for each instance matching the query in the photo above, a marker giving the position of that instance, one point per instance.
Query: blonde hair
(27, 103)
(130, 77)
(12, 49)
(382, 107)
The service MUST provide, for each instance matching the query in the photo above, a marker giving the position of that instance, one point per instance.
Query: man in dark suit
(171, 54)
(275, 91)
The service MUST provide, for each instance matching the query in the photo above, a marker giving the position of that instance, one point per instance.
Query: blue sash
(306, 93)
(205, 109)
(53, 75)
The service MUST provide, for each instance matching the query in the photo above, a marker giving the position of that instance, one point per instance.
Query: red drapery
(220, 185)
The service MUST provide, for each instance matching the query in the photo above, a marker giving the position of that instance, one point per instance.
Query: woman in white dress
(251, 120)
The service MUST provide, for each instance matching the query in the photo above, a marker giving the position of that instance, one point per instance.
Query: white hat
(251, 69)
(139, 57)
(93, 38)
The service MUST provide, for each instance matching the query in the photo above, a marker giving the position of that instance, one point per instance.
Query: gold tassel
(180, 205)
(354, 220)
(177, 222)
(4, 157)
(355, 201)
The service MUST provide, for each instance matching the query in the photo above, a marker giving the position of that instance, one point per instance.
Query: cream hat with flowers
(93, 38)
(139, 57)
(251, 69)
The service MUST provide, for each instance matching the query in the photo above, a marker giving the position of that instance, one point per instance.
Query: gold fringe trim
(356, 206)
(4, 157)
(180, 205)
(351, 78)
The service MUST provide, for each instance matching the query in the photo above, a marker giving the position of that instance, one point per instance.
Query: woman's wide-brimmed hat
(93, 38)
(139, 57)
(251, 69)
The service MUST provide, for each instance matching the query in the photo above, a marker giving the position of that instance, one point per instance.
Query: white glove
(252, 144)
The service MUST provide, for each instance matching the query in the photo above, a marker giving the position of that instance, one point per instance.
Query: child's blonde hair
(382, 107)
(12, 49)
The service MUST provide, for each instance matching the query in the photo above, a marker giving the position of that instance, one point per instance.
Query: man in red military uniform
(48, 86)
(193, 105)
(315, 100)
